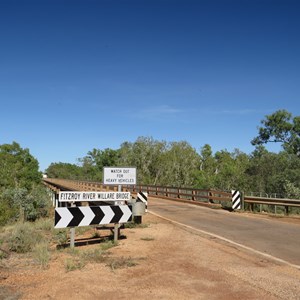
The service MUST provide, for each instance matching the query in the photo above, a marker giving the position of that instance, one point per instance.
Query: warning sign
(119, 176)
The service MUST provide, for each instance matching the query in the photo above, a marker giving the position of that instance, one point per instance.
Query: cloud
(160, 111)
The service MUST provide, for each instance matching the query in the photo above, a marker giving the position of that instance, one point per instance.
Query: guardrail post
(286, 210)
(193, 195)
(210, 194)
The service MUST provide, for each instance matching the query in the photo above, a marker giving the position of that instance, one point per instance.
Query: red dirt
(172, 263)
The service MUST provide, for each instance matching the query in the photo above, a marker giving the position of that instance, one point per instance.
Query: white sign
(119, 176)
(74, 196)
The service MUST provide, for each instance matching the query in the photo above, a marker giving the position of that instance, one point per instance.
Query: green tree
(230, 171)
(205, 175)
(21, 194)
(280, 127)
(268, 172)
(18, 168)
(95, 160)
(64, 170)
(180, 163)
(146, 155)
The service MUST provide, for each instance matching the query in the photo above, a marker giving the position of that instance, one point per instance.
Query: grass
(41, 254)
(135, 225)
(121, 262)
(61, 236)
(44, 224)
(108, 244)
(93, 256)
(74, 263)
(79, 258)
(3, 254)
(36, 237)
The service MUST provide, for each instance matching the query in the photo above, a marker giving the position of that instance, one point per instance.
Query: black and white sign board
(119, 176)
(143, 197)
(236, 199)
(74, 196)
(91, 215)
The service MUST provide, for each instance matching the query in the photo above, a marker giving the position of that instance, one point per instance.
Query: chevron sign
(143, 197)
(91, 215)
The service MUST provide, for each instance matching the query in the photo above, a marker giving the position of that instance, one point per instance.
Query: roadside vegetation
(260, 173)
(39, 243)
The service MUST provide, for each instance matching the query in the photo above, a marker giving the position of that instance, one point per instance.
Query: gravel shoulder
(162, 261)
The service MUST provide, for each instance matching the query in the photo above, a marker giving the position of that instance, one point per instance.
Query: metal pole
(243, 200)
(116, 227)
(72, 233)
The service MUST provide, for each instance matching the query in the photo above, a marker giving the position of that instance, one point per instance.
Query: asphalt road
(271, 236)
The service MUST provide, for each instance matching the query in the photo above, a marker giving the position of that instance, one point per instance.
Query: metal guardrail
(197, 196)
(284, 202)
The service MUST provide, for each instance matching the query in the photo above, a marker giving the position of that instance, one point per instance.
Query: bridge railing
(186, 194)
(208, 197)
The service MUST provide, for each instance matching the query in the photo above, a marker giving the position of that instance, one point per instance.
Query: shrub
(23, 238)
(72, 264)
(61, 236)
(94, 256)
(121, 262)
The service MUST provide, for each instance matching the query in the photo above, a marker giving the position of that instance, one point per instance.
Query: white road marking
(229, 241)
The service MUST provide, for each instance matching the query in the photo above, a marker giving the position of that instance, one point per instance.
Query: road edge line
(269, 256)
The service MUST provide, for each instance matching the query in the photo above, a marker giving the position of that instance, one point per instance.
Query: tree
(18, 168)
(64, 170)
(180, 163)
(21, 196)
(146, 155)
(95, 160)
(280, 127)
(269, 172)
(204, 176)
(230, 171)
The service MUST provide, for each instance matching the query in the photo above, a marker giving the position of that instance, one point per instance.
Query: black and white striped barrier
(91, 215)
(143, 197)
(236, 199)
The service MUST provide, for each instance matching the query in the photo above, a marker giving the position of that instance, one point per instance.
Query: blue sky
(77, 75)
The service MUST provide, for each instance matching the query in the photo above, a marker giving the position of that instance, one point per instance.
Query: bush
(19, 203)
(72, 264)
(61, 236)
(23, 238)
(7, 213)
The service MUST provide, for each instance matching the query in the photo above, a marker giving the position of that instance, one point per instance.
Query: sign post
(72, 232)
(119, 176)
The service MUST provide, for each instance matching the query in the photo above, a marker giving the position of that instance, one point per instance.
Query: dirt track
(172, 263)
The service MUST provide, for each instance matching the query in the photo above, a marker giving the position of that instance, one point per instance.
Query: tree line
(179, 164)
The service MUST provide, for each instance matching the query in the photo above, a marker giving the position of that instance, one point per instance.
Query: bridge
(274, 237)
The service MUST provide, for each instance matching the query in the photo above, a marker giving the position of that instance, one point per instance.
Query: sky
(77, 75)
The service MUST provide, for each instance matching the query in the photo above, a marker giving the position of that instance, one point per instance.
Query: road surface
(269, 236)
